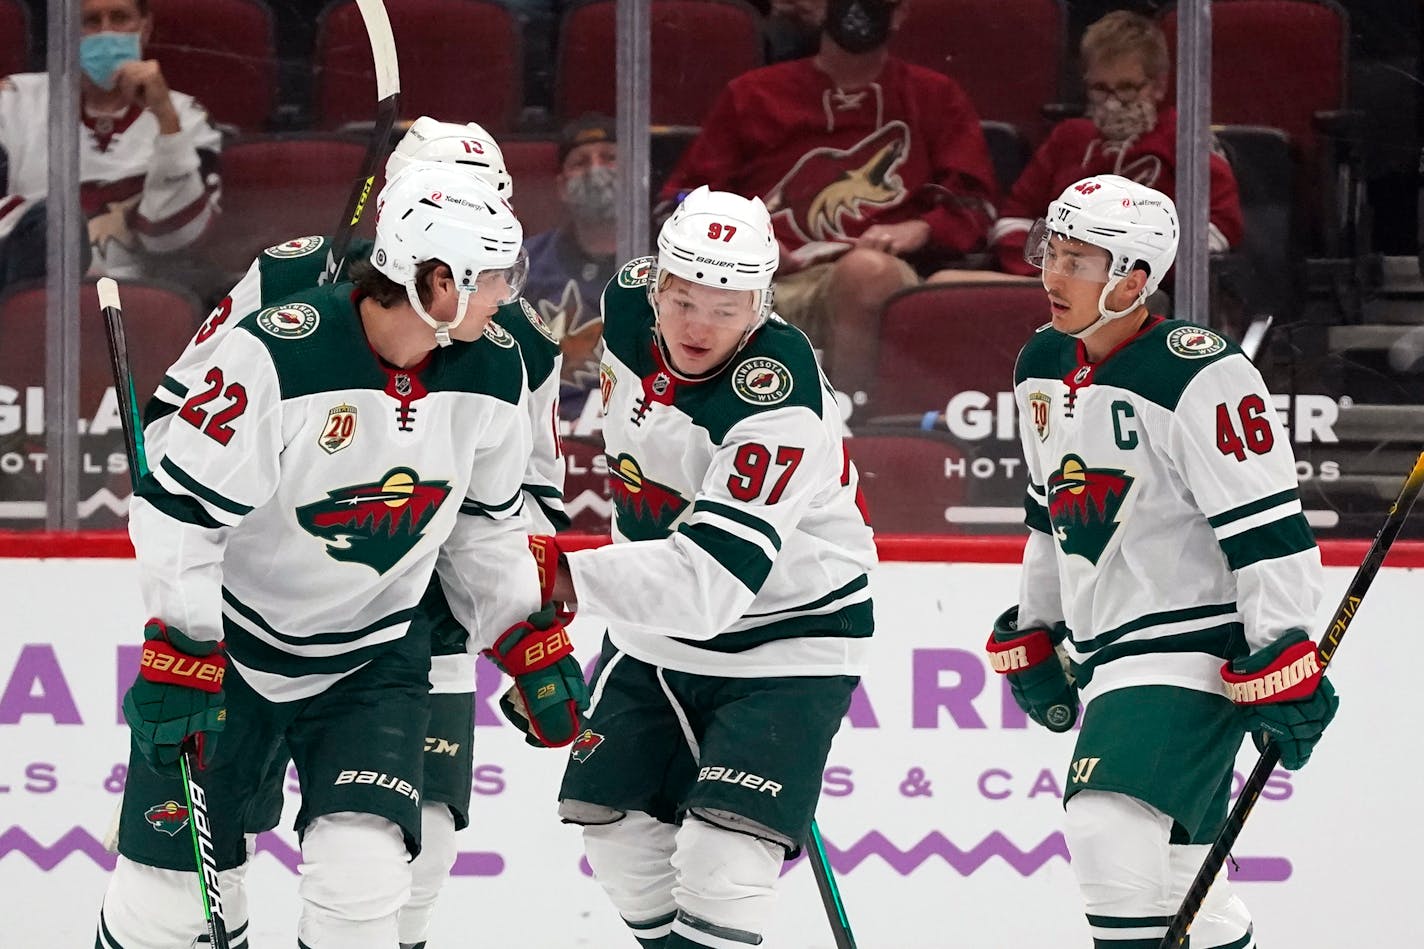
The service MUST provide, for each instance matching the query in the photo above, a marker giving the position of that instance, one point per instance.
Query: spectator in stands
(147, 155)
(570, 265)
(792, 29)
(870, 166)
(1125, 71)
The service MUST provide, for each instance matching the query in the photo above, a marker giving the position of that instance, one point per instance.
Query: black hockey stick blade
(383, 55)
(830, 893)
(132, 425)
(1344, 614)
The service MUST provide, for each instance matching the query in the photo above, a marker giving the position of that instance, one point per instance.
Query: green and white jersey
(739, 548)
(302, 490)
(1166, 525)
(286, 269)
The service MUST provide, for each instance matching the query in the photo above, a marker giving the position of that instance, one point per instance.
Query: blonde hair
(1124, 33)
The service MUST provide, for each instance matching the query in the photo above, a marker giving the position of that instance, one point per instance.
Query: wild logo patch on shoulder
(761, 381)
(1193, 342)
(339, 430)
(292, 321)
(635, 273)
(537, 320)
(499, 335)
(297, 247)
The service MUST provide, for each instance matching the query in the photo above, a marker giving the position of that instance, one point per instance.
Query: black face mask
(858, 26)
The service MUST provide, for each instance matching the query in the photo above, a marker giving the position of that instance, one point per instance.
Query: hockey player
(296, 265)
(735, 590)
(1168, 564)
(333, 453)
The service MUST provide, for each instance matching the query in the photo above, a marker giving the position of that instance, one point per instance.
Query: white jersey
(141, 192)
(1166, 525)
(304, 491)
(739, 547)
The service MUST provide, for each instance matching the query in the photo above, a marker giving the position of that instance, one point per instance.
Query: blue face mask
(101, 54)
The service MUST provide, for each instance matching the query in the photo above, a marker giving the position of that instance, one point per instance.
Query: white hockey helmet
(437, 211)
(1135, 224)
(468, 146)
(720, 239)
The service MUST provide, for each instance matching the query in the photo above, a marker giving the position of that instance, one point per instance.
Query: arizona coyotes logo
(1083, 504)
(830, 184)
(645, 509)
(375, 524)
(170, 817)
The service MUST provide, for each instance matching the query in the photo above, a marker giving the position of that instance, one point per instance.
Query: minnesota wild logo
(170, 817)
(645, 509)
(1083, 504)
(375, 524)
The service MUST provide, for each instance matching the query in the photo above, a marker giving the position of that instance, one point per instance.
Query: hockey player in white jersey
(332, 456)
(296, 265)
(736, 589)
(1169, 577)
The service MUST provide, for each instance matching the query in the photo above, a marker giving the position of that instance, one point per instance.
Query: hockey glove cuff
(1029, 657)
(1286, 696)
(545, 548)
(178, 694)
(549, 692)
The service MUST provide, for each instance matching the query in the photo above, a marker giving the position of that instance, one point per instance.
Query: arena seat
(533, 163)
(1008, 55)
(221, 52)
(940, 339)
(904, 477)
(722, 37)
(460, 61)
(14, 37)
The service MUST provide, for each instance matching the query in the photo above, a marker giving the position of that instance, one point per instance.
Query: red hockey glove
(549, 692)
(545, 548)
(1285, 695)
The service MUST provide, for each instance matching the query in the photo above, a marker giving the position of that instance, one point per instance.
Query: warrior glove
(549, 693)
(1037, 679)
(1285, 695)
(177, 695)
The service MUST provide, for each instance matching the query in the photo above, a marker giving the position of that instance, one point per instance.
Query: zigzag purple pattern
(936, 844)
(76, 840)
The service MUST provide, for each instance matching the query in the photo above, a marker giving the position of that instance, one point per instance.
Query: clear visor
(1053, 253)
(504, 286)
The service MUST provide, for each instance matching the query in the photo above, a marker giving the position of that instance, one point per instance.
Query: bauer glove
(545, 548)
(177, 695)
(1029, 657)
(549, 692)
(1285, 695)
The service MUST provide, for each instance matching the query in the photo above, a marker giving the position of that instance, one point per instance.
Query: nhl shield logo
(585, 745)
(339, 430)
(170, 817)
(1039, 404)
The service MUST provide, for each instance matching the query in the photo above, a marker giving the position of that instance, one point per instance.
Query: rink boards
(940, 806)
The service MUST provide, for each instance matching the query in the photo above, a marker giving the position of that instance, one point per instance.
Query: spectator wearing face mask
(147, 155)
(1125, 70)
(570, 265)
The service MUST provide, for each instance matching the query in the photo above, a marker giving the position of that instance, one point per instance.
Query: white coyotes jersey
(1166, 525)
(299, 497)
(141, 192)
(739, 547)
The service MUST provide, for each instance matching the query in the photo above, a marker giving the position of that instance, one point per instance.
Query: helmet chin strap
(442, 329)
(1104, 314)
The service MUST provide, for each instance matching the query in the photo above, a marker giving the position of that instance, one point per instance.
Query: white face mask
(1120, 121)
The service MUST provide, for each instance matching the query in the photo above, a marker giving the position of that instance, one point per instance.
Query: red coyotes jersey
(1075, 150)
(140, 191)
(830, 163)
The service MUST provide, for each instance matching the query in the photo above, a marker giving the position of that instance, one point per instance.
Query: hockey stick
(383, 53)
(194, 797)
(830, 893)
(1344, 613)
